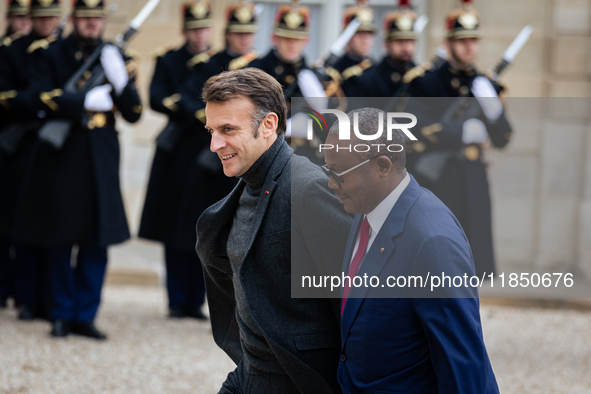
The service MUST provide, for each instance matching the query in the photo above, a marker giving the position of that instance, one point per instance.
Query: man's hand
(114, 67)
(99, 99)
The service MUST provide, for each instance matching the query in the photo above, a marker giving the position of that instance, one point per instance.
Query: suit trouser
(184, 280)
(6, 269)
(31, 276)
(76, 291)
(240, 381)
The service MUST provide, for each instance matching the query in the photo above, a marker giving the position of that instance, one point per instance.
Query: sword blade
(338, 47)
(143, 15)
(517, 44)
(420, 24)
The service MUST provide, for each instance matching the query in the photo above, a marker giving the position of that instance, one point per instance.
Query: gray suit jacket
(303, 333)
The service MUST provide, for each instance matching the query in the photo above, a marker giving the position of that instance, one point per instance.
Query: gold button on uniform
(464, 90)
(395, 77)
(455, 83)
(289, 79)
(100, 120)
(472, 153)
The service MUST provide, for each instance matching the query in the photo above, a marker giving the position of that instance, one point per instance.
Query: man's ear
(269, 124)
(385, 165)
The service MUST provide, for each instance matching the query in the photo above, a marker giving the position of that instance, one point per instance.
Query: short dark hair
(368, 122)
(265, 93)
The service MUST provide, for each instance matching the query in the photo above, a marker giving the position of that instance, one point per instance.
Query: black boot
(87, 330)
(61, 328)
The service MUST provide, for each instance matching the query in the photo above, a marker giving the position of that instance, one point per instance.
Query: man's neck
(195, 50)
(389, 186)
(235, 53)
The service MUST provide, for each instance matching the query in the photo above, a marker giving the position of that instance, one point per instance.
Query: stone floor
(532, 351)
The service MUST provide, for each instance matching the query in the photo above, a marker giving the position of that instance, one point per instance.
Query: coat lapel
(374, 261)
(281, 160)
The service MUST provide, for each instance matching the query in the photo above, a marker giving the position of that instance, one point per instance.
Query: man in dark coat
(386, 78)
(448, 158)
(18, 24)
(241, 26)
(286, 63)
(181, 186)
(71, 201)
(17, 20)
(356, 59)
(19, 55)
(281, 204)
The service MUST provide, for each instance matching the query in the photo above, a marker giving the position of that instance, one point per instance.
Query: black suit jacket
(303, 333)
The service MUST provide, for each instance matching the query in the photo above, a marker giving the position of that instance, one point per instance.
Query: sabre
(137, 22)
(513, 50)
(338, 47)
(420, 24)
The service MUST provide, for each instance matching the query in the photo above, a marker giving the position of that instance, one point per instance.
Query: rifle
(12, 135)
(471, 108)
(431, 164)
(55, 132)
(334, 54)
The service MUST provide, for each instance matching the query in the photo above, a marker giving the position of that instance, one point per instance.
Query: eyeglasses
(338, 176)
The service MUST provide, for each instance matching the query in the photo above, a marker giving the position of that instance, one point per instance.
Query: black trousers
(239, 381)
(184, 280)
(6, 269)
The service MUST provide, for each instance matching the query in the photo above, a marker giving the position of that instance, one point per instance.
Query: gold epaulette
(356, 70)
(132, 53)
(161, 51)
(6, 41)
(334, 74)
(416, 72)
(202, 57)
(42, 43)
(242, 61)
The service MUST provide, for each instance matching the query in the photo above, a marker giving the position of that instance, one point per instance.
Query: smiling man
(280, 344)
(392, 344)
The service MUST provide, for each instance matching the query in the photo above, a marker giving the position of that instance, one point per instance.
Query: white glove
(474, 132)
(310, 86)
(99, 99)
(114, 67)
(487, 97)
(297, 126)
(288, 128)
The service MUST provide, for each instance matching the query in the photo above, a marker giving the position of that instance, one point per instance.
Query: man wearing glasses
(402, 339)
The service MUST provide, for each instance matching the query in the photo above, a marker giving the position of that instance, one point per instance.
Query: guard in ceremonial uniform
(181, 183)
(449, 154)
(18, 25)
(71, 202)
(287, 64)
(16, 97)
(17, 19)
(356, 59)
(241, 26)
(386, 78)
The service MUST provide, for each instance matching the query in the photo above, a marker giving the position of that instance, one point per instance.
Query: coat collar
(217, 221)
(376, 259)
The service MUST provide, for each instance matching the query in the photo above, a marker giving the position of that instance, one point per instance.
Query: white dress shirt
(378, 216)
